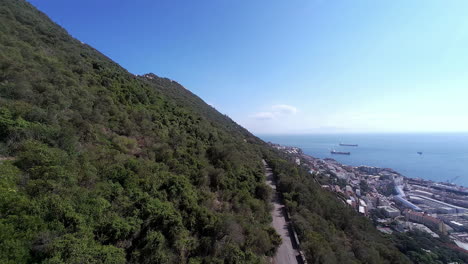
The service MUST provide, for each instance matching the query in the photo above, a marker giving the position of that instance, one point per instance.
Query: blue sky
(297, 66)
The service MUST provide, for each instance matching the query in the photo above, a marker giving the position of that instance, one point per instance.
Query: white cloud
(284, 109)
(275, 112)
(264, 116)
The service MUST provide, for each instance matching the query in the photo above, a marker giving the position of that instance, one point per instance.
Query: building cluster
(287, 149)
(397, 203)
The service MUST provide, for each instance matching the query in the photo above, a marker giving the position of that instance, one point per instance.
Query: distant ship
(419, 152)
(340, 152)
(348, 145)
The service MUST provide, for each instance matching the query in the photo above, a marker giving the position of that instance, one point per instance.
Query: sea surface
(444, 158)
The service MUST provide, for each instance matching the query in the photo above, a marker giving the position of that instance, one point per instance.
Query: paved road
(286, 254)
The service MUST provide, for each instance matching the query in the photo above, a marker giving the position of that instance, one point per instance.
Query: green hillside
(106, 168)
(184, 98)
(98, 165)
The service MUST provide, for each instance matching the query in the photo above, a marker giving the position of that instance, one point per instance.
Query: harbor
(397, 203)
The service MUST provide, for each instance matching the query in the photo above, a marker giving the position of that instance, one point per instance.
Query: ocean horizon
(444, 155)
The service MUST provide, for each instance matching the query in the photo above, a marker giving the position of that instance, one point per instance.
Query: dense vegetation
(422, 248)
(100, 166)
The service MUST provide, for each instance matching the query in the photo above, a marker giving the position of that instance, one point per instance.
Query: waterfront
(445, 155)
(394, 203)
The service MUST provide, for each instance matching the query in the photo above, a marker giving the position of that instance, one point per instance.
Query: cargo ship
(348, 145)
(340, 152)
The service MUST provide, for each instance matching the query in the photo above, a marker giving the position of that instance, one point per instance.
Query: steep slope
(107, 169)
(100, 166)
(184, 98)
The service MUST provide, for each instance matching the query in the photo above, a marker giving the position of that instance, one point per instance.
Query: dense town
(395, 203)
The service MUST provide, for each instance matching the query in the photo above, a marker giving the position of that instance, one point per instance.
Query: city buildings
(406, 203)
(426, 220)
(390, 211)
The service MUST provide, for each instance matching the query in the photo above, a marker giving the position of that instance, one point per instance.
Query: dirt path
(287, 253)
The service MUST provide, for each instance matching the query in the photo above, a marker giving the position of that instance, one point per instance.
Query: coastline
(448, 186)
(443, 160)
(394, 202)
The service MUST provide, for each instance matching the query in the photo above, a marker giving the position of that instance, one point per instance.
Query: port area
(394, 202)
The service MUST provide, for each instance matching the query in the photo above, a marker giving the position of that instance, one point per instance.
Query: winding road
(287, 252)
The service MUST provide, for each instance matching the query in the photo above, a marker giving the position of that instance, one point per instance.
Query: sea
(444, 156)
